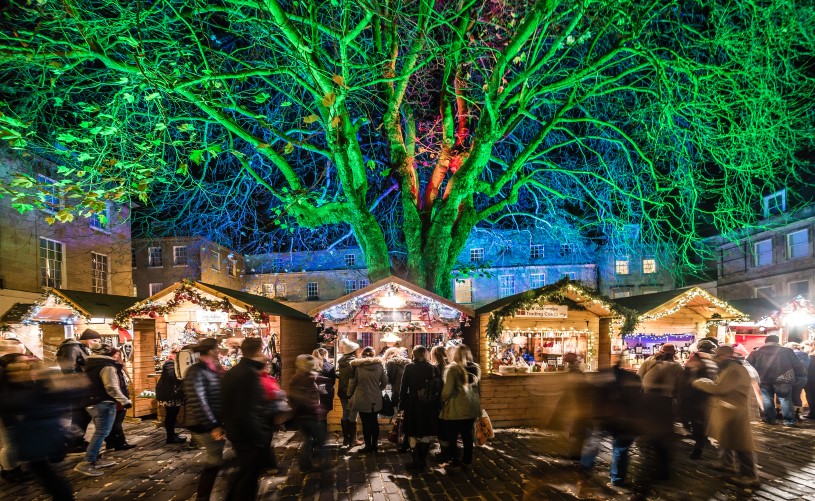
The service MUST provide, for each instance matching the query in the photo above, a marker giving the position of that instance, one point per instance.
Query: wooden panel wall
(297, 337)
(144, 366)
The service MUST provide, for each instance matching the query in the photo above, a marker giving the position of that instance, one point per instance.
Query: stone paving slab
(519, 464)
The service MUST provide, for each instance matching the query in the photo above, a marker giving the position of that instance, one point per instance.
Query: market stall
(188, 311)
(679, 317)
(752, 332)
(524, 339)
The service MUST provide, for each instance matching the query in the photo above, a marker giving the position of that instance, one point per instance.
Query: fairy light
(689, 296)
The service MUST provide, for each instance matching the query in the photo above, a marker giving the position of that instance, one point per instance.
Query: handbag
(483, 429)
(182, 418)
(786, 378)
(395, 436)
(387, 405)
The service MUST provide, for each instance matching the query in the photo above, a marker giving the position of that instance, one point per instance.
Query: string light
(689, 296)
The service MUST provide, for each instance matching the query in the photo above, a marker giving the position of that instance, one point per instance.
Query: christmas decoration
(687, 297)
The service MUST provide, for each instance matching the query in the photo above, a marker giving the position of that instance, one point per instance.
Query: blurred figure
(439, 360)
(660, 383)
(10, 470)
(571, 416)
(461, 403)
(328, 375)
(420, 417)
(693, 403)
(32, 405)
(778, 368)
(248, 419)
(756, 409)
(71, 355)
(348, 422)
(729, 420)
(395, 365)
(612, 394)
(202, 390)
(809, 388)
(170, 395)
(365, 391)
(309, 413)
(800, 379)
(274, 395)
(105, 393)
(116, 438)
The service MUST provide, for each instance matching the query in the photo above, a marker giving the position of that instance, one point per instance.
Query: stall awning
(61, 305)
(756, 308)
(695, 299)
(16, 313)
(261, 303)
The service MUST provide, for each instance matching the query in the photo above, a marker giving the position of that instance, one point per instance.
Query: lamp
(391, 301)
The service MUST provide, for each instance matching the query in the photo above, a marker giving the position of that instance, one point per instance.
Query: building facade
(161, 262)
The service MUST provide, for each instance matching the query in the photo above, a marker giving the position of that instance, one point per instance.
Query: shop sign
(211, 316)
(546, 311)
(391, 316)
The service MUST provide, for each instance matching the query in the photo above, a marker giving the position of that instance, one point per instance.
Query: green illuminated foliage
(405, 124)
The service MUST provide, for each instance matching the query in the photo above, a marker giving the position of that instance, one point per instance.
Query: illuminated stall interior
(752, 332)
(391, 306)
(188, 311)
(789, 319)
(679, 317)
(530, 332)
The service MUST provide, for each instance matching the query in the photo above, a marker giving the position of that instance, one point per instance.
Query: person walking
(420, 414)
(365, 390)
(693, 403)
(248, 419)
(327, 378)
(778, 368)
(729, 419)
(105, 394)
(309, 412)
(348, 421)
(202, 391)
(10, 469)
(800, 380)
(116, 438)
(660, 384)
(71, 355)
(461, 404)
(170, 396)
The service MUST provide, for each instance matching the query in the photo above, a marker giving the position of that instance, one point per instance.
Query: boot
(206, 481)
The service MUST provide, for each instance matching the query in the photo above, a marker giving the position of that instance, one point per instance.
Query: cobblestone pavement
(517, 464)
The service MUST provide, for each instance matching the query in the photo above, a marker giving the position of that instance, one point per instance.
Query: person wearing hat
(729, 417)
(248, 419)
(71, 355)
(105, 393)
(345, 371)
(202, 393)
(693, 403)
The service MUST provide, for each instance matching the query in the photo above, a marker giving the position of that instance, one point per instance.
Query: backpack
(430, 393)
(183, 361)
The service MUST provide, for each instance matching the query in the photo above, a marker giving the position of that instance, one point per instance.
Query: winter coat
(106, 379)
(345, 373)
(169, 389)
(71, 355)
(729, 410)
(328, 376)
(460, 396)
(247, 413)
(662, 378)
(365, 388)
(420, 418)
(395, 368)
(773, 360)
(304, 396)
(202, 390)
(693, 403)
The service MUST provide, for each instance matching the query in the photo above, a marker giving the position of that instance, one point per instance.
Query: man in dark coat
(694, 403)
(247, 419)
(71, 355)
(421, 415)
(778, 368)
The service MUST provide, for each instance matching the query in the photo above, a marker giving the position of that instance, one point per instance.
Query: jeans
(784, 394)
(116, 437)
(314, 433)
(214, 448)
(620, 446)
(103, 414)
(347, 413)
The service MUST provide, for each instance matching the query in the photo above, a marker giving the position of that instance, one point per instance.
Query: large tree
(409, 122)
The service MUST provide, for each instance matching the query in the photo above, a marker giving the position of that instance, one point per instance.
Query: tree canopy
(406, 123)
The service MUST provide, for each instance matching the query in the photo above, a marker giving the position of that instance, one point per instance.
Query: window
(216, 261)
(231, 267)
(537, 280)
(765, 292)
(649, 265)
(350, 260)
(620, 293)
(155, 288)
(280, 290)
(355, 285)
(798, 244)
(100, 273)
(361, 284)
(763, 252)
(101, 220)
(268, 290)
(568, 250)
(312, 292)
(799, 288)
(571, 275)
(536, 251)
(365, 338)
(51, 256)
(476, 254)
(51, 200)
(154, 257)
(133, 256)
(621, 267)
(775, 203)
(277, 263)
(180, 255)
(464, 290)
(506, 285)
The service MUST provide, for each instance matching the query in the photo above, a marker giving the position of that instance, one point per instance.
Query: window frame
(50, 207)
(216, 261)
(280, 290)
(468, 290)
(765, 287)
(503, 285)
(150, 288)
(104, 228)
(150, 261)
(56, 282)
(474, 254)
(350, 260)
(105, 279)
(622, 264)
(571, 274)
(799, 282)
(537, 251)
(181, 263)
(789, 235)
(316, 294)
(757, 254)
(532, 280)
(133, 254)
(653, 265)
(767, 210)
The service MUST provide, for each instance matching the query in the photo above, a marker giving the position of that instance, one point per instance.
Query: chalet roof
(398, 281)
(16, 313)
(661, 304)
(756, 307)
(95, 305)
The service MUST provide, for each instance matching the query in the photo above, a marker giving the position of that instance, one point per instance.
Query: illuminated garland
(555, 294)
(797, 305)
(690, 295)
(32, 312)
(188, 293)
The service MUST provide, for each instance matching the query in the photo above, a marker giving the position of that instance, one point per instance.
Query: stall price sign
(391, 316)
(211, 316)
(546, 311)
